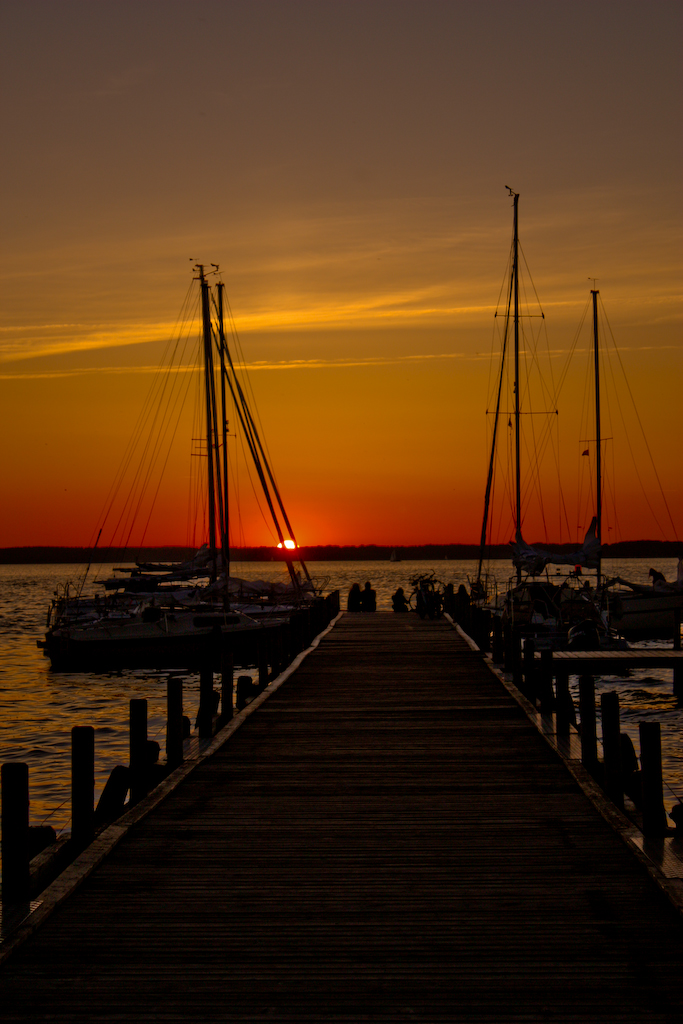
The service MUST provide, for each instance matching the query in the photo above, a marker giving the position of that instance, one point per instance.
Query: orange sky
(345, 165)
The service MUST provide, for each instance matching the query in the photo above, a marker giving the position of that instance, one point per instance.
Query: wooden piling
(611, 748)
(82, 785)
(589, 742)
(174, 722)
(654, 815)
(15, 856)
(138, 749)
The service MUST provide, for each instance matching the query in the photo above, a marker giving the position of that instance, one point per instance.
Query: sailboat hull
(164, 644)
(645, 616)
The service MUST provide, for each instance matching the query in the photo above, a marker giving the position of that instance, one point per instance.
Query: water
(38, 707)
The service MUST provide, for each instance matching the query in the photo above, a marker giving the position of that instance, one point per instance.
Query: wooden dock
(387, 837)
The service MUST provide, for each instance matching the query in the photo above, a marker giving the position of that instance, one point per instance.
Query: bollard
(545, 681)
(654, 815)
(82, 785)
(244, 690)
(205, 713)
(15, 855)
(174, 722)
(564, 704)
(227, 686)
(589, 742)
(138, 749)
(611, 748)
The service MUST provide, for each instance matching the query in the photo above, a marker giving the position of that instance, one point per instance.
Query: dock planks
(386, 838)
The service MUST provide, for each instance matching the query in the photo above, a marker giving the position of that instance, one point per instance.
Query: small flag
(585, 453)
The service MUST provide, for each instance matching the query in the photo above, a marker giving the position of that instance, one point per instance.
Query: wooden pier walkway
(386, 838)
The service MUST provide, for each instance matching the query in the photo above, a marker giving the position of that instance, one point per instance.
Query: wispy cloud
(298, 364)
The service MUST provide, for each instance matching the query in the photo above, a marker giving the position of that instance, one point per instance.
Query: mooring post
(138, 749)
(16, 874)
(589, 742)
(227, 686)
(82, 785)
(174, 722)
(611, 747)
(654, 815)
(244, 689)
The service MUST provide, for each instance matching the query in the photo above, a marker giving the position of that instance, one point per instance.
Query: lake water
(38, 707)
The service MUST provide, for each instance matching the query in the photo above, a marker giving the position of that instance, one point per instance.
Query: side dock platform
(387, 837)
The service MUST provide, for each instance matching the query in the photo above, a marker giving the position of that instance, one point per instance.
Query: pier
(387, 834)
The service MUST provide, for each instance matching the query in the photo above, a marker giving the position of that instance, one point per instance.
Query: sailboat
(638, 611)
(547, 610)
(171, 614)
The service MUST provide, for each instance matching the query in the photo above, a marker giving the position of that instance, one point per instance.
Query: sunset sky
(345, 163)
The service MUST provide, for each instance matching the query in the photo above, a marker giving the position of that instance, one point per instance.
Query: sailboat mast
(515, 279)
(224, 415)
(598, 440)
(208, 382)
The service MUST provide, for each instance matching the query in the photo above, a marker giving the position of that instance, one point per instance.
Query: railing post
(589, 742)
(15, 861)
(611, 747)
(174, 722)
(82, 785)
(654, 815)
(138, 749)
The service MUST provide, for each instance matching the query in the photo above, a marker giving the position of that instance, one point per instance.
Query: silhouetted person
(462, 606)
(368, 599)
(449, 602)
(399, 601)
(354, 603)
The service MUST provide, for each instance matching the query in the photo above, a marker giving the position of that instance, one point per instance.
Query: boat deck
(387, 837)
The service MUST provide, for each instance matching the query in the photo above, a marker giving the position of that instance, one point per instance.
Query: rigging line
(260, 463)
(253, 403)
(635, 409)
(161, 425)
(155, 413)
(248, 464)
(254, 453)
(143, 415)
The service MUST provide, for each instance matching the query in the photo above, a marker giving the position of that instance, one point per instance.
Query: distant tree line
(322, 553)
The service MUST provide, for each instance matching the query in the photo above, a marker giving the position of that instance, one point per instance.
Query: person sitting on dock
(353, 603)
(368, 599)
(399, 601)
